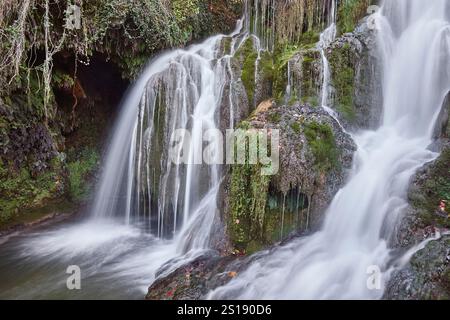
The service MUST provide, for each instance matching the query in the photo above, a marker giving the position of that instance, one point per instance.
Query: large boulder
(356, 78)
(315, 156)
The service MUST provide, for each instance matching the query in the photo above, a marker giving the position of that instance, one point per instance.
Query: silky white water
(337, 261)
(149, 212)
(326, 38)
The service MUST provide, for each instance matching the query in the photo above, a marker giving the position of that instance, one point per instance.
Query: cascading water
(414, 39)
(149, 210)
(326, 38)
(179, 90)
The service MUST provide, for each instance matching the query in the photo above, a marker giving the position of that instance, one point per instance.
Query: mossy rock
(429, 192)
(342, 60)
(245, 61)
(322, 143)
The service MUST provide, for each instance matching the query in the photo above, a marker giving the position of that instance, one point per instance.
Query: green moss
(274, 117)
(322, 143)
(309, 39)
(79, 173)
(31, 215)
(434, 189)
(313, 101)
(266, 66)
(20, 191)
(350, 12)
(343, 80)
(308, 88)
(132, 64)
(282, 55)
(247, 201)
(296, 127)
(259, 215)
(249, 56)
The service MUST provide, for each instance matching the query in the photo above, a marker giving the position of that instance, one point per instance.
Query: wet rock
(304, 77)
(427, 276)
(194, 280)
(315, 156)
(442, 128)
(356, 78)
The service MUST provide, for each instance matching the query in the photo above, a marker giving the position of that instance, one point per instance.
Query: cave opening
(88, 97)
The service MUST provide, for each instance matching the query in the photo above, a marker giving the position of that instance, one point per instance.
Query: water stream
(336, 261)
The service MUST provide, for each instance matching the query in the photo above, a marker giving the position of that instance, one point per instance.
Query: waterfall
(352, 247)
(181, 89)
(260, 21)
(326, 38)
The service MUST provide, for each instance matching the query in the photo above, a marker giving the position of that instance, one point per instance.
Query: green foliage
(62, 80)
(322, 143)
(267, 67)
(309, 39)
(19, 190)
(350, 12)
(183, 9)
(248, 197)
(79, 173)
(285, 54)
(313, 101)
(346, 108)
(282, 55)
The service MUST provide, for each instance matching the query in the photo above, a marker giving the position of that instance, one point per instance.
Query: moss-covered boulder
(356, 78)
(314, 157)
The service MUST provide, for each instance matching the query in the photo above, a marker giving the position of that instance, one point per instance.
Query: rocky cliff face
(427, 276)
